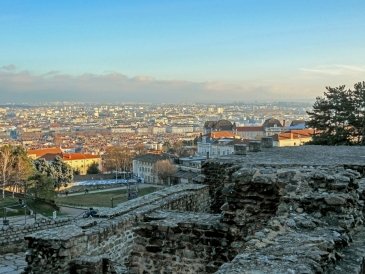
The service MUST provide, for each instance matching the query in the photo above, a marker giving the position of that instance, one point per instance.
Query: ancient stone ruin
(278, 210)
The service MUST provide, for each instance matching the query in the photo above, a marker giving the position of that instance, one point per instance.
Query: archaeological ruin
(268, 210)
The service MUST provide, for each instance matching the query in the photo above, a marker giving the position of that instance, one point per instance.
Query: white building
(216, 148)
(272, 126)
(157, 130)
(143, 167)
(180, 129)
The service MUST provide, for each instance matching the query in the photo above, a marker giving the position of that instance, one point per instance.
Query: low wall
(12, 237)
(108, 238)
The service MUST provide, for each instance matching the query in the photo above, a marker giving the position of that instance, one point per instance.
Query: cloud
(9, 67)
(24, 86)
(335, 70)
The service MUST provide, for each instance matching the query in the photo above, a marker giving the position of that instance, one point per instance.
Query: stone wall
(290, 210)
(106, 240)
(170, 242)
(292, 220)
(216, 175)
(279, 219)
(12, 237)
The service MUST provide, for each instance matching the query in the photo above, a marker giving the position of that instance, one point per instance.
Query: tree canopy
(118, 158)
(58, 170)
(164, 169)
(93, 168)
(15, 167)
(339, 116)
(41, 186)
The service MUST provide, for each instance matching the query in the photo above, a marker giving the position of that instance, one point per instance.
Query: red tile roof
(50, 153)
(221, 134)
(296, 134)
(44, 151)
(78, 156)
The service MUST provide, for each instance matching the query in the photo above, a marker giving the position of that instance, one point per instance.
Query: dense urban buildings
(82, 133)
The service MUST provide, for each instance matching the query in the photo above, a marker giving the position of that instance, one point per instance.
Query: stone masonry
(172, 242)
(103, 244)
(12, 237)
(278, 210)
(292, 220)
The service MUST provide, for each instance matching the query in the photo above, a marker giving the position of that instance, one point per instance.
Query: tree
(63, 173)
(164, 170)
(139, 149)
(93, 168)
(7, 160)
(58, 170)
(338, 117)
(358, 117)
(41, 186)
(118, 158)
(23, 169)
(166, 146)
(15, 167)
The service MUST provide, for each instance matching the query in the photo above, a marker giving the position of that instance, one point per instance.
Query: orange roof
(78, 156)
(44, 151)
(296, 134)
(221, 134)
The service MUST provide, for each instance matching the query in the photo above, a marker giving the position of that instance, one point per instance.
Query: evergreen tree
(58, 170)
(23, 169)
(358, 116)
(41, 186)
(338, 117)
(93, 168)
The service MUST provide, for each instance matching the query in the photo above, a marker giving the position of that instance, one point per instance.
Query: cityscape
(196, 136)
(91, 128)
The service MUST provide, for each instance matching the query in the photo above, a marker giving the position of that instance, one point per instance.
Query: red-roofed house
(293, 137)
(78, 161)
(81, 162)
(37, 153)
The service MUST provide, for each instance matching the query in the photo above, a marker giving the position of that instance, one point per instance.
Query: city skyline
(178, 51)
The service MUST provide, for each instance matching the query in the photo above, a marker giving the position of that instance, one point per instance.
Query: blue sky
(257, 49)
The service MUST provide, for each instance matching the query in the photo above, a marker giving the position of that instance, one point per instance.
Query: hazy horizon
(206, 51)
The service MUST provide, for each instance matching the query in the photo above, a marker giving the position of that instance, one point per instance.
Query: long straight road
(110, 189)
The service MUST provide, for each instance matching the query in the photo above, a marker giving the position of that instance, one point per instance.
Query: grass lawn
(12, 205)
(15, 209)
(100, 199)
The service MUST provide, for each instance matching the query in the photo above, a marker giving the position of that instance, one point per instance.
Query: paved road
(111, 189)
(71, 211)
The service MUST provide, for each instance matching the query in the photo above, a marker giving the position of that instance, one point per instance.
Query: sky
(180, 51)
